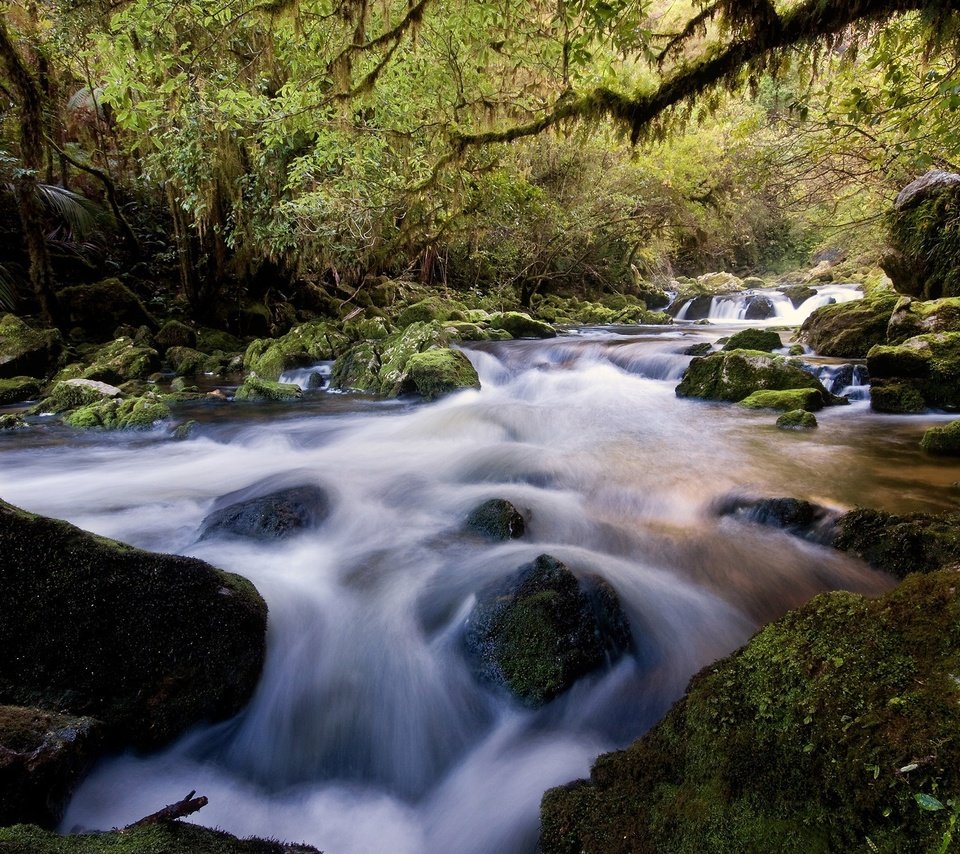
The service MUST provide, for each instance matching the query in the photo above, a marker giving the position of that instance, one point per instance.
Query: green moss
(428, 310)
(25, 351)
(166, 838)
(435, 373)
(763, 340)
(928, 364)
(149, 644)
(72, 394)
(210, 340)
(186, 362)
(132, 413)
(737, 374)
(18, 389)
(848, 330)
(11, 422)
(942, 440)
(521, 325)
(301, 346)
(173, 333)
(794, 743)
(254, 388)
(809, 399)
(919, 317)
(895, 398)
(122, 360)
(797, 419)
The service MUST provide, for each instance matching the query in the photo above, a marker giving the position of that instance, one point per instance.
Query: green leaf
(928, 802)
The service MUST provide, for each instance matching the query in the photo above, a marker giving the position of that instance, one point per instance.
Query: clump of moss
(173, 333)
(817, 736)
(797, 419)
(18, 389)
(254, 388)
(435, 373)
(942, 440)
(895, 398)
(130, 413)
(764, 340)
(809, 399)
(303, 345)
(737, 374)
(927, 364)
(25, 351)
(122, 360)
(521, 325)
(72, 394)
(186, 362)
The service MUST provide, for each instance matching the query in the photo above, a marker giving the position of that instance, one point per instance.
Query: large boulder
(764, 340)
(173, 333)
(913, 317)
(834, 726)
(73, 394)
(302, 346)
(539, 630)
(438, 372)
(122, 360)
(928, 365)
(849, 329)
(114, 413)
(42, 757)
(260, 514)
(150, 644)
(100, 308)
(737, 374)
(25, 351)
(924, 238)
(718, 283)
(521, 325)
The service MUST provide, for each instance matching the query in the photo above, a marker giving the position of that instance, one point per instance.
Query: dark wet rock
(19, 389)
(849, 329)
(42, 757)
(496, 519)
(12, 421)
(171, 837)
(539, 630)
(173, 333)
(702, 349)
(798, 294)
(793, 515)
(25, 351)
(697, 308)
(822, 732)
(279, 513)
(896, 398)
(917, 542)
(101, 307)
(759, 308)
(943, 441)
(764, 340)
(150, 644)
(734, 375)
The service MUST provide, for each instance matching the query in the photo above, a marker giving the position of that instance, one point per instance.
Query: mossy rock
(211, 340)
(929, 364)
(808, 399)
(172, 837)
(539, 630)
(764, 340)
(72, 394)
(441, 371)
(122, 360)
(302, 346)
(428, 310)
(254, 388)
(18, 389)
(101, 307)
(186, 362)
(913, 317)
(25, 351)
(150, 644)
(848, 330)
(496, 520)
(797, 419)
(798, 294)
(944, 440)
(12, 421)
(737, 374)
(713, 284)
(816, 736)
(130, 413)
(42, 757)
(521, 325)
(896, 398)
(173, 333)
(917, 542)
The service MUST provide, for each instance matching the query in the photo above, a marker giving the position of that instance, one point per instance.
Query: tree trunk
(30, 113)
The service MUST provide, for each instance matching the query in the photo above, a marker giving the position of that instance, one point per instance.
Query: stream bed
(368, 731)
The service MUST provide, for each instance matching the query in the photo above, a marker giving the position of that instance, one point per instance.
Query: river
(368, 732)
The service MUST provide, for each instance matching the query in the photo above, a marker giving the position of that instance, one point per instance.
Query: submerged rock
(280, 513)
(25, 351)
(539, 630)
(764, 340)
(150, 644)
(734, 375)
(496, 519)
(943, 440)
(832, 726)
(849, 329)
(42, 757)
(790, 514)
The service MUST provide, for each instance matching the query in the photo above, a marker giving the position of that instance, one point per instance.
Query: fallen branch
(172, 812)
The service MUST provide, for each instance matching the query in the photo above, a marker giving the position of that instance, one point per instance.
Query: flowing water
(368, 731)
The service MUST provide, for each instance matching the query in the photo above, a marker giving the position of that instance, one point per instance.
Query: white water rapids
(368, 731)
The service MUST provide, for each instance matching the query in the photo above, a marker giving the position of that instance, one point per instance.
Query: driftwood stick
(172, 812)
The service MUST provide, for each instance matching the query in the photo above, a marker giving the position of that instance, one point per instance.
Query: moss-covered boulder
(809, 399)
(42, 757)
(122, 360)
(19, 389)
(101, 307)
(913, 317)
(428, 310)
(718, 283)
(169, 837)
(186, 362)
(303, 345)
(797, 419)
(113, 413)
(896, 398)
(764, 340)
(924, 237)
(25, 351)
(539, 630)
(917, 542)
(256, 389)
(496, 520)
(173, 333)
(830, 731)
(150, 644)
(928, 364)
(438, 372)
(944, 440)
(849, 329)
(737, 374)
(214, 340)
(72, 394)
(273, 515)
(521, 325)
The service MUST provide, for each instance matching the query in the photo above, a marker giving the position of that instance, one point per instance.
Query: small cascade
(311, 378)
(763, 307)
(849, 381)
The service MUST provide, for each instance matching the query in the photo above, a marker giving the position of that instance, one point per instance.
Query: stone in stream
(923, 371)
(764, 340)
(944, 440)
(496, 519)
(275, 514)
(759, 308)
(540, 629)
(793, 515)
(797, 419)
(849, 329)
